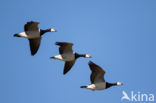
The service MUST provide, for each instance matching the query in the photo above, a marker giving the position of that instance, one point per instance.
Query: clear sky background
(119, 34)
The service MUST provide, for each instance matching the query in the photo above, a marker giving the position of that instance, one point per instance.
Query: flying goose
(68, 55)
(97, 79)
(33, 34)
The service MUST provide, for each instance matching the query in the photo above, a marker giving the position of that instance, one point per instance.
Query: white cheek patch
(53, 30)
(87, 56)
(119, 83)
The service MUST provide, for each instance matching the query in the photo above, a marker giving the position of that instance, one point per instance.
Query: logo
(138, 96)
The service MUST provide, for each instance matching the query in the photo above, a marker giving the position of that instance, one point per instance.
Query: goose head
(82, 55)
(52, 30)
(108, 85)
(119, 83)
(87, 56)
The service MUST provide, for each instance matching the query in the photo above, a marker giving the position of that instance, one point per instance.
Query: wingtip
(90, 62)
(64, 73)
(56, 43)
(63, 43)
(33, 22)
(32, 54)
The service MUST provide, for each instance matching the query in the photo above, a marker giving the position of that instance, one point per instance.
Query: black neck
(79, 55)
(108, 85)
(44, 31)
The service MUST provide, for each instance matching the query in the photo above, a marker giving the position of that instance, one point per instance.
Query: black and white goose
(68, 55)
(97, 79)
(33, 34)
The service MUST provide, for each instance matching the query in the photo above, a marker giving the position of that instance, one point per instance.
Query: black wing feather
(34, 45)
(64, 47)
(31, 26)
(97, 74)
(68, 66)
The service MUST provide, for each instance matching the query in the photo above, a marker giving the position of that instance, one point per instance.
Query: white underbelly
(68, 57)
(33, 34)
(100, 86)
(97, 86)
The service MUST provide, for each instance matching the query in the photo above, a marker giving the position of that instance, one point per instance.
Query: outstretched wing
(68, 66)
(31, 26)
(34, 45)
(65, 47)
(97, 74)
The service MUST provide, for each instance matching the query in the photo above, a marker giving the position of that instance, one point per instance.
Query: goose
(97, 79)
(68, 55)
(34, 35)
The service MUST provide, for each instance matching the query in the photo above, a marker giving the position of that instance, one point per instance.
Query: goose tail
(83, 87)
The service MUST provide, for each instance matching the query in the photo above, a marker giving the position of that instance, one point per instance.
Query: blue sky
(119, 34)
